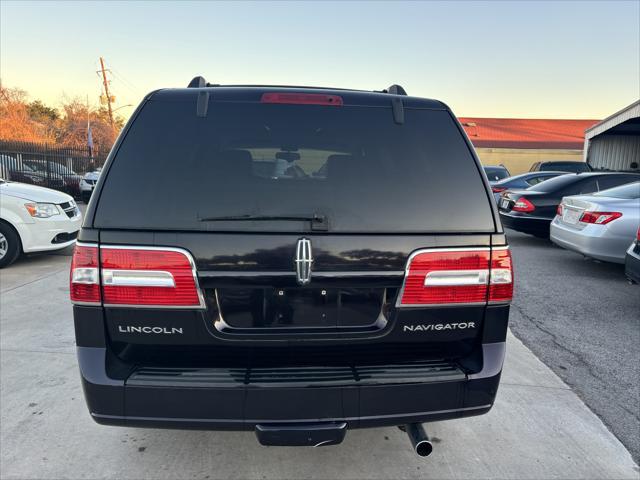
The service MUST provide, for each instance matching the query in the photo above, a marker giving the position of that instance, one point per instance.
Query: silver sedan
(599, 225)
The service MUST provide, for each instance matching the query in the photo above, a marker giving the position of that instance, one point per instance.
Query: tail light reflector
(560, 209)
(143, 276)
(523, 205)
(302, 98)
(458, 276)
(501, 280)
(638, 235)
(599, 218)
(84, 279)
(498, 189)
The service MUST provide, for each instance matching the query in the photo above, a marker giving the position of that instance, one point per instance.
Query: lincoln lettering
(159, 330)
(439, 326)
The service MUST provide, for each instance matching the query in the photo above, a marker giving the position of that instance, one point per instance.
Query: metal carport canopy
(614, 143)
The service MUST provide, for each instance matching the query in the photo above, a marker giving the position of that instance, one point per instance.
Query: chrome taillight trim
(137, 278)
(83, 244)
(456, 278)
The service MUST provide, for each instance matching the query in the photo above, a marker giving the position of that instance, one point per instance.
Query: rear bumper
(592, 241)
(230, 399)
(526, 223)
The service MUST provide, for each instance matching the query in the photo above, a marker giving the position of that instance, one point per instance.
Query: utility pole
(106, 90)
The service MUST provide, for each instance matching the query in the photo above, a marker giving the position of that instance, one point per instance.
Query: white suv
(35, 219)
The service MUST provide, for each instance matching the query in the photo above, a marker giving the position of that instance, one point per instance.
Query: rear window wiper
(318, 222)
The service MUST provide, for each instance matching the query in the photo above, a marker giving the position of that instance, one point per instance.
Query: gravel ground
(582, 318)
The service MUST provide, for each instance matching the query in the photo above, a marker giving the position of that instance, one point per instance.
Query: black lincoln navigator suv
(291, 261)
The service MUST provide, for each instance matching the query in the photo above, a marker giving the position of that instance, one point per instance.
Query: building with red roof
(517, 143)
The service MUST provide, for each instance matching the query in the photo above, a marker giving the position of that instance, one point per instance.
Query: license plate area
(282, 308)
(571, 216)
(504, 204)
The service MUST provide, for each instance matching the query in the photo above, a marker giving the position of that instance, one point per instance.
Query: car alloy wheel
(4, 245)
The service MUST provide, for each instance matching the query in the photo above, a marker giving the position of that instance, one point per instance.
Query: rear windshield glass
(496, 173)
(566, 166)
(627, 191)
(352, 165)
(556, 183)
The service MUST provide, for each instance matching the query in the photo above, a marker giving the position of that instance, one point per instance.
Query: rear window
(351, 165)
(629, 191)
(496, 173)
(556, 183)
(577, 167)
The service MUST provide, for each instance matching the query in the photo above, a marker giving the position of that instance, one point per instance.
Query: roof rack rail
(397, 104)
(396, 90)
(202, 104)
(197, 82)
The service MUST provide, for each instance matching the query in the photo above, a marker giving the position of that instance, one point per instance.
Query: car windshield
(627, 191)
(496, 173)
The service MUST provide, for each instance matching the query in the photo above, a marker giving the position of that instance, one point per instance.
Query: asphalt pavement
(582, 319)
(538, 428)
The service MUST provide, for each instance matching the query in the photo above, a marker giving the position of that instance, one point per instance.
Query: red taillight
(301, 98)
(638, 235)
(458, 276)
(559, 210)
(84, 279)
(156, 277)
(144, 276)
(498, 189)
(599, 218)
(523, 205)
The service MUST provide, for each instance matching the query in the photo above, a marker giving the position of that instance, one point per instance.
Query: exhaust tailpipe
(419, 439)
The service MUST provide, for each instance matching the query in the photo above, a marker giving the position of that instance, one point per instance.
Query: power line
(130, 85)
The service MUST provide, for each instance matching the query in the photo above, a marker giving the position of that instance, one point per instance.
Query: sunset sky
(497, 59)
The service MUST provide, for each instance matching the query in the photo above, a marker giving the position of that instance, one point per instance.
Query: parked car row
(599, 225)
(533, 209)
(50, 174)
(596, 214)
(70, 179)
